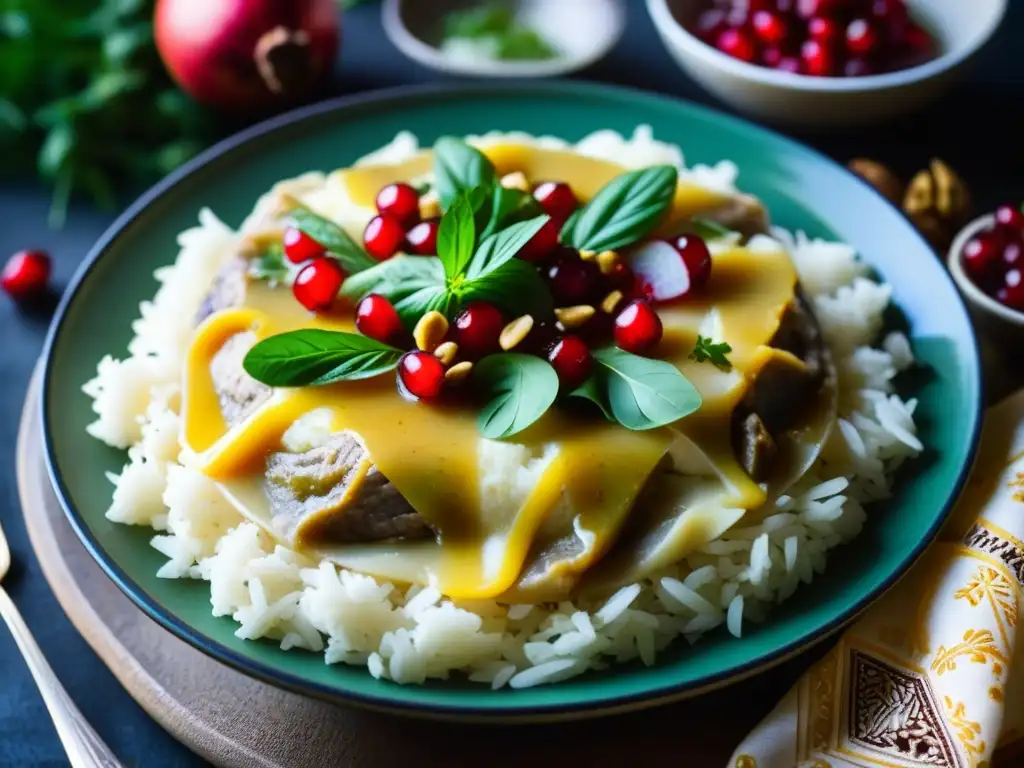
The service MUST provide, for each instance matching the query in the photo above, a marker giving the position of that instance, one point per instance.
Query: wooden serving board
(233, 720)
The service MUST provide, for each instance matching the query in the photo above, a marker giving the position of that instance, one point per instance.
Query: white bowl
(961, 26)
(580, 33)
(999, 321)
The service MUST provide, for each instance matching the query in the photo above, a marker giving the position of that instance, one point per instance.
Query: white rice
(411, 634)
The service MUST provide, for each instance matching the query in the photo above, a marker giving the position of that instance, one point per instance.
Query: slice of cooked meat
(335, 494)
(330, 494)
(758, 449)
(783, 390)
(238, 392)
(228, 289)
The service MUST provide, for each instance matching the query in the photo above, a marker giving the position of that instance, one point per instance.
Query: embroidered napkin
(926, 677)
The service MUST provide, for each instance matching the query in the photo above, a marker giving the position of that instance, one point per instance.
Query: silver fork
(84, 747)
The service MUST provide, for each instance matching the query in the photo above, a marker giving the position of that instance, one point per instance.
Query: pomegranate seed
(540, 338)
(861, 37)
(377, 318)
(621, 278)
(317, 284)
(710, 24)
(421, 374)
(25, 274)
(858, 68)
(477, 329)
(785, 7)
(1011, 217)
(383, 237)
(1012, 254)
(825, 31)
(556, 200)
(1012, 292)
(772, 57)
(737, 43)
(541, 244)
(399, 201)
(807, 9)
(573, 281)
(889, 11)
(918, 40)
(789, 64)
(300, 247)
(981, 254)
(671, 269)
(422, 239)
(817, 59)
(637, 328)
(570, 357)
(772, 29)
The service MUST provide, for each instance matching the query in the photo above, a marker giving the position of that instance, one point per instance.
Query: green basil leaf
(353, 259)
(459, 167)
(570, 224)
(456, 236)
(521, 388)
(412, 307)
(312, 357)
(515, 286)
(269, 265)
(508, 206)
(626, 209)
(502, 246)
(593, 390)
(643, 393)
(395, 278)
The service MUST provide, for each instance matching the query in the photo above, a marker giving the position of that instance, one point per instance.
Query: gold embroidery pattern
(893, 712)
(1018, 482)
(978, 645)
(967, 731)
(823, 683)
(991, 586)
(998, 544)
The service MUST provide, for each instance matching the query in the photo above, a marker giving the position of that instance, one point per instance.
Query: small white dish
(581, 33)
(1001, 322)
(961, 26)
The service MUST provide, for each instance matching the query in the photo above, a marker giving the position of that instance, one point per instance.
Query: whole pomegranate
(247, 55)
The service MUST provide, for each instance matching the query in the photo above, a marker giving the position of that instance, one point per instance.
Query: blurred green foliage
(85, 101)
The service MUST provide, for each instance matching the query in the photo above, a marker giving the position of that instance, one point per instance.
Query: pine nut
(574, 317)
(446, 352)
(513, 333)
(459, 371)
(430, 331)
(611, 301)
(515, 180)
(606, 261)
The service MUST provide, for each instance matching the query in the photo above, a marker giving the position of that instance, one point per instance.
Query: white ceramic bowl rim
(963, 280)
(432, 56)
(664, 19)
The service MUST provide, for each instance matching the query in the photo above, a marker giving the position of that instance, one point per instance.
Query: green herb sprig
(495, 24)
(708, 351)
(313, 357)
(85, 102)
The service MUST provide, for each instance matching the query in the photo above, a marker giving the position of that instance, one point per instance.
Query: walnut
(879, 177)
(938, 203)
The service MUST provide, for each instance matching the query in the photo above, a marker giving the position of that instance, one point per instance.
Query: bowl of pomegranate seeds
(987, 262)
(825, 63)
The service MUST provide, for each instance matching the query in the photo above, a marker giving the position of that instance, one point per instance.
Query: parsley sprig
(707, 351)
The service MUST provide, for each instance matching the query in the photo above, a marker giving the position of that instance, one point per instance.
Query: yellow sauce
(433, 454)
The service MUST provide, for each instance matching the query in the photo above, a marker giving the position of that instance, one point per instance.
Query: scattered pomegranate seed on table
(25, 274)
(994, 257)
(401, 202)
(422, 238)
(421, 374)
(477, 329)
(377, 318)
(383, 237)
(818, 38)
(570, 357)
(317, 284)
(638, 328)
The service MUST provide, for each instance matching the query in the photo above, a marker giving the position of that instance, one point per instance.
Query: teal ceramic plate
(801, 188)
